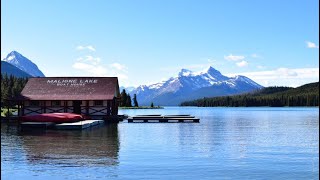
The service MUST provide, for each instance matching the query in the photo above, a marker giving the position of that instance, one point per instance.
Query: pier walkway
(163, 119)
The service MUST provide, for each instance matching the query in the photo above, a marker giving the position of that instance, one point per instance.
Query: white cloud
(255, 56)
(312, 45)
(89, 47)
(118, 66)
(260, 67)
(91, 66)
(286, 72)
(233, 57)
(93, 60)
(242, 63)
(93, 70)
(283, 76)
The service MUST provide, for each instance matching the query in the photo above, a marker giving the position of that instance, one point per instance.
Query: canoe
(54, 117)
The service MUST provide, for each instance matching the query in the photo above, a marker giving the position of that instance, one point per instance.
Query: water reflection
(98, 146)
(228, 143)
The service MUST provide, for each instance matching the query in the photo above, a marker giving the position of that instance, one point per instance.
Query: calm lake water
(228, 143)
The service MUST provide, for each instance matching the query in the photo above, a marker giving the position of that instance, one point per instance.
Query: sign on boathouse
(71, 82)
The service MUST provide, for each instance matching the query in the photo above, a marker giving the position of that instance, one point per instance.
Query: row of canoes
(54, 117)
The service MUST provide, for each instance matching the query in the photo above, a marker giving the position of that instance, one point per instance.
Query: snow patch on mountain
(23, 64)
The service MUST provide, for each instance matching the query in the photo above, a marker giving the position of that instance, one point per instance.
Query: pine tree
(11, 87)
(151, 104)
(128, 103)
(5, 92)
(123, 98)
(135, 102)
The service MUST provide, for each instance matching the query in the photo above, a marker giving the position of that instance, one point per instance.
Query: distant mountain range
(190, 85)
(28, 68)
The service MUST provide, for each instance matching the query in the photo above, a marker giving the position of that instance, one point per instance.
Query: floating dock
(78, 125)
(63, 126)
(36, 125)
(163, 119)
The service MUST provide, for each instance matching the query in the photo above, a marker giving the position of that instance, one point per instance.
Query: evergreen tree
(306, 95)
(135, 102)
(128, 103)
(151, 104)
(11, 87)
(123, 98)
(5, 92)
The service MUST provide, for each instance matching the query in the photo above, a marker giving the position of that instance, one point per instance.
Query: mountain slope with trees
(306, 95)
(9, 69)
(11, 87)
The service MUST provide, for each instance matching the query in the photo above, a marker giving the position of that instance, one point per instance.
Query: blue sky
(146, 41)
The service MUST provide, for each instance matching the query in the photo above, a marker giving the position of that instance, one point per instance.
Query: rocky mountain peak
(23, 63)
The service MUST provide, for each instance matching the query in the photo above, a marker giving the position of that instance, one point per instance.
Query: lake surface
(228, 143)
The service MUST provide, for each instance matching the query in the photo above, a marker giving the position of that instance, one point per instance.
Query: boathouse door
(77, 107)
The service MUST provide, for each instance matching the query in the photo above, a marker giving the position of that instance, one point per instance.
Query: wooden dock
(78, 125)
(36, 125)
(163, 119)
(63, 126)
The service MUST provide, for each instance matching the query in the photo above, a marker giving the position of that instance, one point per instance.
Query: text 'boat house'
(97, 97)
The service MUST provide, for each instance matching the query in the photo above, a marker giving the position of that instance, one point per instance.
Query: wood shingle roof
(71, 88)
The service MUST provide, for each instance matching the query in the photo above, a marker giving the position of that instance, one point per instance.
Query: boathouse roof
(71, 88)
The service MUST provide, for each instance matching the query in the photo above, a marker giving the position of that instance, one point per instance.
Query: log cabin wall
(90, 108)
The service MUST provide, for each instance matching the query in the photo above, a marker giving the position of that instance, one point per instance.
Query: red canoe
(54, 117)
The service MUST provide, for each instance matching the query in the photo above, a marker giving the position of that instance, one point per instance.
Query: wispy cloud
(89, 47)
(242, 63)
(255, 56)
(234, 57)
(93, 60)
(260, 67)
(92, 69)
(238, 59)
(119, 67)
(92, 66)
(312, 45)
(283, 76)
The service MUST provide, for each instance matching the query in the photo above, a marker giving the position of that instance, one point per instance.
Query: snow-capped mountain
(189, 85)
(128, 89)
(23, 64)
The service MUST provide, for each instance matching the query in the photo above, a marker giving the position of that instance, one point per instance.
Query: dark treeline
(11, 87)
(306, 95)
(126, 100)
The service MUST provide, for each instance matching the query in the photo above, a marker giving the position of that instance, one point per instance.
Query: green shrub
(8, 113)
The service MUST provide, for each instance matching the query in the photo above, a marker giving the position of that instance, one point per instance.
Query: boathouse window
(55, 103)
(34, 103)
(98, 103)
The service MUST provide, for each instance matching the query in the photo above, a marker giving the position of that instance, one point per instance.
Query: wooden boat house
(97, 97)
